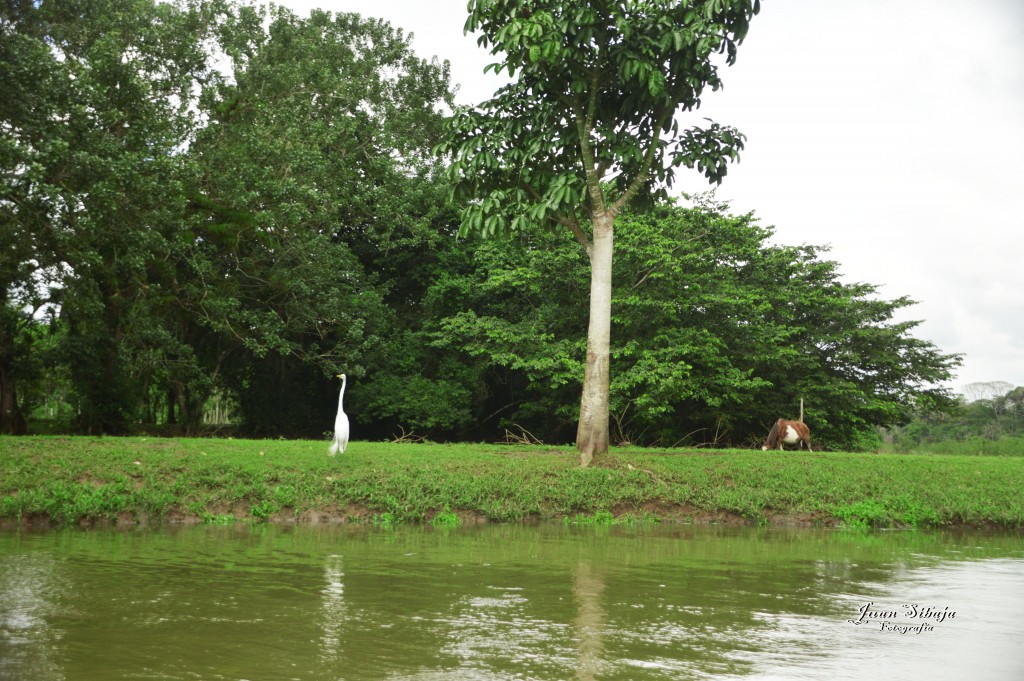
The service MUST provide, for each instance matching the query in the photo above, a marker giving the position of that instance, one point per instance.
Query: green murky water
(509, 602)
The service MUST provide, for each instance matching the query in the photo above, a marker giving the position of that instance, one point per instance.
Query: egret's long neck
(341, 396)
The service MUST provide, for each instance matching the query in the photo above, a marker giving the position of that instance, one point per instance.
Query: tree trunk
(592, 434)
(12, 422)
(172, 399)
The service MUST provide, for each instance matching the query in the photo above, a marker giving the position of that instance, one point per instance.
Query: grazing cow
(788, 432)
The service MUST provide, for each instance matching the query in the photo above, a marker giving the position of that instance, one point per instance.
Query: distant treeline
(991, 425)
(207, 210)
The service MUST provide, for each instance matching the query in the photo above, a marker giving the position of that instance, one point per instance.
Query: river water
(510, 602)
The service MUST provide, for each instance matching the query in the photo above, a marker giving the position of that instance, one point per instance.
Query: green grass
(70, 480)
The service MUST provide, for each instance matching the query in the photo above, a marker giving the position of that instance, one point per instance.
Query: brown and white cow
(788, 432)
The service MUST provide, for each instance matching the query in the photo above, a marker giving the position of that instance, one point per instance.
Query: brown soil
(357, 514)
(668, 513)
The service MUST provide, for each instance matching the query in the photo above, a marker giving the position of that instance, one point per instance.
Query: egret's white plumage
(340, 424)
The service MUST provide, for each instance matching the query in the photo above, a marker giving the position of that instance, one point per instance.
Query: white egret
(340, 424)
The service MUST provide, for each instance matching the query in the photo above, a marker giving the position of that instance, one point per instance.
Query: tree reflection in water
(589, 620)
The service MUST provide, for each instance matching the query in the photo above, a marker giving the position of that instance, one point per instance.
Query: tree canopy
(720, 333)
(591, 119)
(206, 185)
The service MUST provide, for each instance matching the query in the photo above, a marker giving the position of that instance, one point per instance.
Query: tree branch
(569, 221)
(671, 253)
(642, 176)
(584, 124)
(581, 237)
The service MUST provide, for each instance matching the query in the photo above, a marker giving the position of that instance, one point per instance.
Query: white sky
(892, 130)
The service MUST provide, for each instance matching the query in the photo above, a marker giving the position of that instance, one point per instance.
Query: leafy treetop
(590, 123)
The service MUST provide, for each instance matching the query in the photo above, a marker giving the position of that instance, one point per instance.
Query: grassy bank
(67, 481)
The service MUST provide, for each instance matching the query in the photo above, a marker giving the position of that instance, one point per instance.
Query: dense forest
(209, 209)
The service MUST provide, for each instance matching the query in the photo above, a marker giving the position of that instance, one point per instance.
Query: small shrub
(445, 518)
(263, 510)
(285, 496)
(867, 513)
(599, 518)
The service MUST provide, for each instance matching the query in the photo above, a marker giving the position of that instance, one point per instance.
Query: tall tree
(589, 125)
(314, 184)
(103, 98)
(32, 88)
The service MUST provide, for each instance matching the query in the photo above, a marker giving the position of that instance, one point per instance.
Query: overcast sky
(891, 130)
